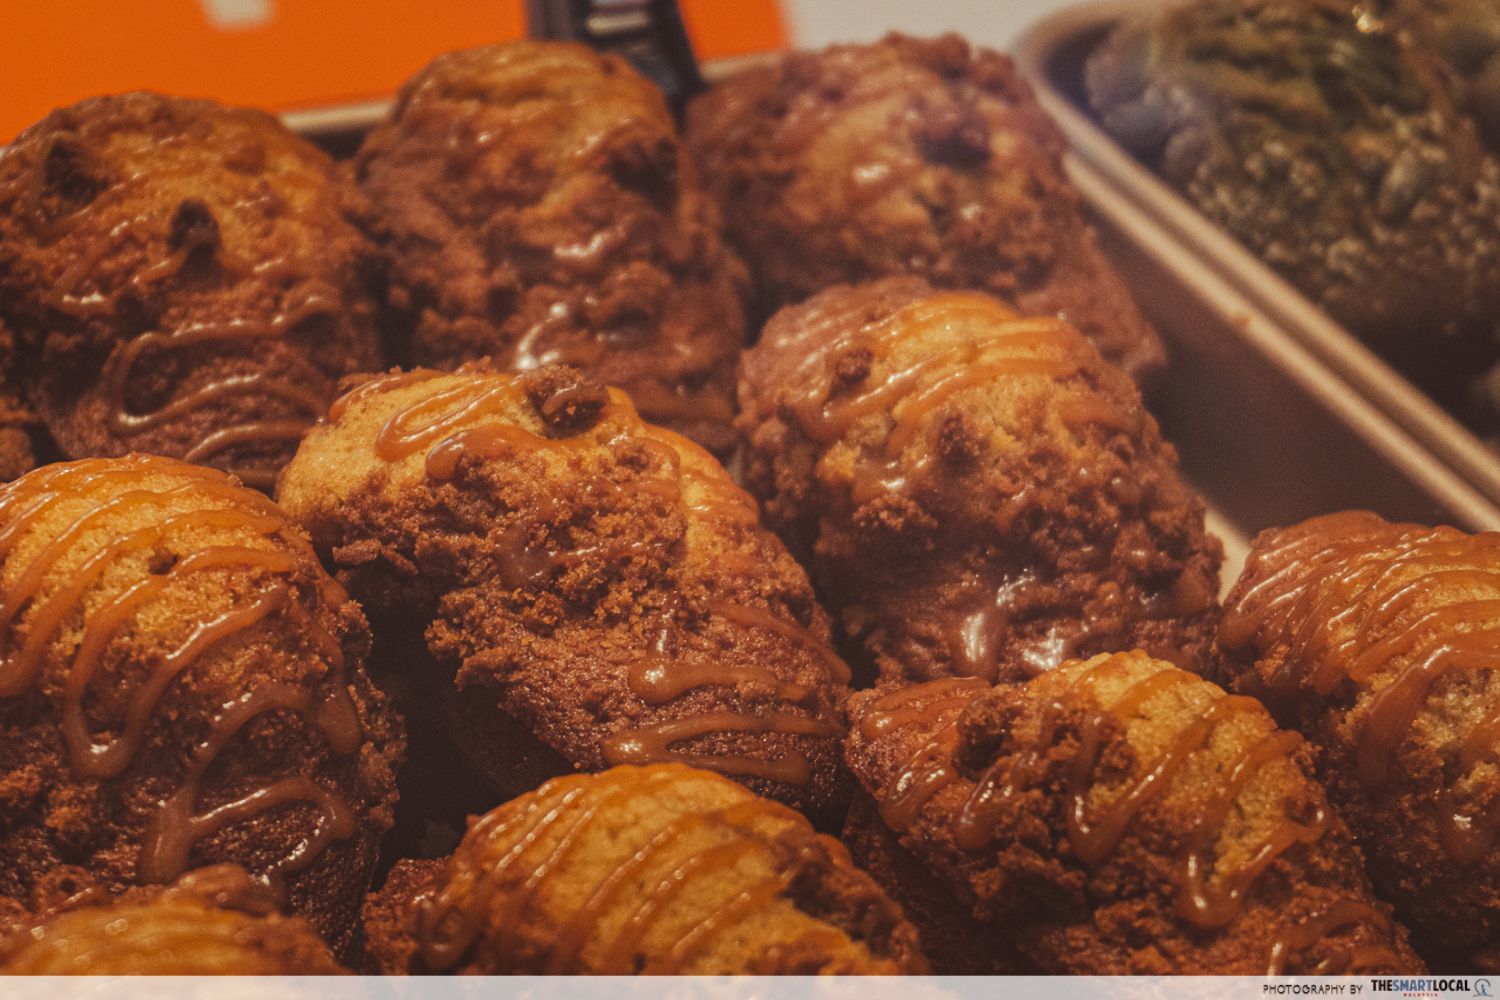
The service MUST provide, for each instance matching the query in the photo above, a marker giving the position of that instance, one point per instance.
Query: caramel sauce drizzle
(1342, 914)
(313, 298)
(1362, 598)
(1206, 897)
(1011, 347)
(494, 879)
(470, 420)
(175, 828)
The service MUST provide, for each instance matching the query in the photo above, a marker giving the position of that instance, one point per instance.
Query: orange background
(308, 53)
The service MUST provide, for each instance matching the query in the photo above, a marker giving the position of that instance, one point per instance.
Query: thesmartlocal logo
(1429, 987)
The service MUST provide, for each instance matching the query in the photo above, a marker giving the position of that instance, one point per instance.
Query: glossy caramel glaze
(182, 685)
(1381, 643)
(212, 921)
(535, 207)
(591, 583)
(976, 493)
(908, 156)
(1119, 815)
(640, 870)
(181, 278)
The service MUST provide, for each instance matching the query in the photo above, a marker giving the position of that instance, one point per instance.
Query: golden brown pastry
(593, 590)
(908, 156)
(181, 278)
(211, 922)
(1119, 816)
(183, 685)
(975, 492)
(650, 870)
(1381, 643)
(536, 206)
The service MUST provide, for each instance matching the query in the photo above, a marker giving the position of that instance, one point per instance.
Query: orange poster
(279, 54)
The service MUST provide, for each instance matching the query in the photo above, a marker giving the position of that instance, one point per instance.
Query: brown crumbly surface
(1324, 142)
(586, 546)
(713, 880)
(141, 591)
(972, 492)
(211, 922)
(908, 156)
(140, 214)
(1073, 748)
(1364, 608)
(535, 205)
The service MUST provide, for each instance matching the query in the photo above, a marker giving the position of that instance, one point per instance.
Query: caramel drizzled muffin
(908, 156)
(593, 590)
(1119, 816)
(640, 870)
(183, 686)
(976, 493)
(535, 206)
(211, 922)
(1381, 643)
(180, 278)
(1325, 143)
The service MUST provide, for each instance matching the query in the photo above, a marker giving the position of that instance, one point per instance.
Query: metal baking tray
(1267, 432)
(1409, 446)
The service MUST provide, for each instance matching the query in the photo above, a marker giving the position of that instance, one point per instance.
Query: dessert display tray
(1278, 411)
(1270, 430)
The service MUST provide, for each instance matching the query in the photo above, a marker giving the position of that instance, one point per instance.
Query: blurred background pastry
(1331, 148)
(181, 278)
(592, 590)
(1381, 643)
(534, 205)
(908, 156)
(184, 686)
(1119, 816)
(974, 492)
(652, 870)
(213, 921)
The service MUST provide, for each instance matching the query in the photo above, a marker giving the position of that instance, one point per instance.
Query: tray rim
(1407, 407)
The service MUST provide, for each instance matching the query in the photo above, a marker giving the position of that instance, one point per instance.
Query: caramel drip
(174, 830)
(1011, 347)
(307, 403)
(468, 420)
(1343, 913)
(667, 674)
(1205, 897)
(934, 706)
(371, 388)
(1361, 599)
(494, 879)
(653, 744)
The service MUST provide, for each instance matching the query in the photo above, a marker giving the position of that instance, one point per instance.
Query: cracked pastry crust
(181, 278)
(184, 687)
(974, 492)
(214, 921)
(1378, 641)
(535, 206)
(654, 870)
(1119, 816)
(592, 590)
(908, 156)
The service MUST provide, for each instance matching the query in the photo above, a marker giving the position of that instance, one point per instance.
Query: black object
(649, 33)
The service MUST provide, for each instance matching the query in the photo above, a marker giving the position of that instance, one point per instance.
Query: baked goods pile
(509, 674)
